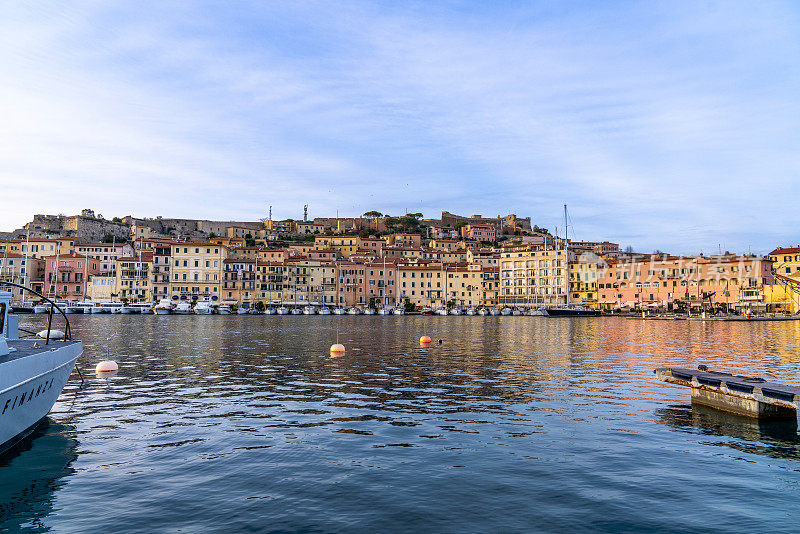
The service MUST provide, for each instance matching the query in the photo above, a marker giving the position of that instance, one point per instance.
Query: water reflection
(776, 439)
(251, 417)
(32, 474)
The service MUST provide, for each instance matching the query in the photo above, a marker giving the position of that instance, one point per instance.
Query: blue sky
(663, 125)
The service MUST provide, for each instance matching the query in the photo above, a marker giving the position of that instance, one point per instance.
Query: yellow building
(132, 278)
(532, 276)
(490, 285)
(464, 284)
(583, 280)
(309, 281)
(786, 260)
(421, 283)
(101, 288)
(197, 268)
(40, 247)
(345, 245)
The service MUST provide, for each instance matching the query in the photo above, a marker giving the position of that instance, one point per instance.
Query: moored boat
(569, 311)
(309, 310)
(164, 307)
(454, 311)
(32, 375)
(111, 307)
(369, 311)
(324, 310)
(283, 310)
(339, 311)
(399, 311)
(203, 308)
(224, 309)
(269, 311)
(296, 311)
(182, 308)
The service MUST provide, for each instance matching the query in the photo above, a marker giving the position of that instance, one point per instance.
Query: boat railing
(67, 329)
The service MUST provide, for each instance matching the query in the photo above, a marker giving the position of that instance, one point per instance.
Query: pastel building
(483, 233)
(66, 276)
(196, 270)
(731, 281)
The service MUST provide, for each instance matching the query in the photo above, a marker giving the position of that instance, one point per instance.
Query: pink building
(67, 280)
(368, 283)
(657, 282)
(479, 232)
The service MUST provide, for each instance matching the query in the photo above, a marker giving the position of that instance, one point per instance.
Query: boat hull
(566, 312)
(29, 387)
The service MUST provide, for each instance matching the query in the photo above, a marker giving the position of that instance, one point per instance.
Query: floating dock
(743, 395)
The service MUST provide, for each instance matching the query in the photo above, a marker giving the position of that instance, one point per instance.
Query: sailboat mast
(566, 255)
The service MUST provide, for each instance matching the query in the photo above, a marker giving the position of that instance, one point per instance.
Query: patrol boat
(32, 373)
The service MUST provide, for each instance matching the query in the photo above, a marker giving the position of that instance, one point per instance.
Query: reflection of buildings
(32, 473)
(776, 439)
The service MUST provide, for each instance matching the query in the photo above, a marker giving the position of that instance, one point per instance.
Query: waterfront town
(378, 261)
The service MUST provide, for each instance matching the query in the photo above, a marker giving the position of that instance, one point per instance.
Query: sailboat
(568, 310)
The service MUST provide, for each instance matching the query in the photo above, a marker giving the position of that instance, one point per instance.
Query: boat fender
(54, 334)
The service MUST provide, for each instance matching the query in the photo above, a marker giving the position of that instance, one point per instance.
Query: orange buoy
(425, 340)
(337, 349)
(106, 366)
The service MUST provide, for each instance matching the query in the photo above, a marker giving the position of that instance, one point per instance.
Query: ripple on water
(513, 423)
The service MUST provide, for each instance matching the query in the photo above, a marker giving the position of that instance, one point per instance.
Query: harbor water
(510, 424)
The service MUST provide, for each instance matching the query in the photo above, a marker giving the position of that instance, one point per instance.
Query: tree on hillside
(373, 214)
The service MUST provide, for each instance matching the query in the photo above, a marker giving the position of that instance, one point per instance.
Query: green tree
(212, 235)
(259, 306)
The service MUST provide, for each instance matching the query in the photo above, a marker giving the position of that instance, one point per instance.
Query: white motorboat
(494, 311)
(182, 308)
(111, 307)
(505, 311)
(283, 310)
(73, 308)
(309, 310)
(385, 311)
(536, 312)
(242, 311)
(144, 308)
(324, 310)
(269, 311)
(32, 375)
(129, 309)
(441, 311)
(369, 311)
(99, 309)
(339, 311)
(483, 312)
(85, 306)
(224, 309)
(353, 311)
(254, 311)
(516, 311)
(399, 311)
(164, 307)
(203, 307)
(471, 311)
(296, 311)
(41, 308)
(455, 311)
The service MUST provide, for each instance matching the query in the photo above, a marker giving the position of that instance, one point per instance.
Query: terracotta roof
(787, 250)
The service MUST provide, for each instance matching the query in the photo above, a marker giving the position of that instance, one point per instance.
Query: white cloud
(661, 128)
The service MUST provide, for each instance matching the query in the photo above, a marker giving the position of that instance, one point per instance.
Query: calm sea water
(513, 424)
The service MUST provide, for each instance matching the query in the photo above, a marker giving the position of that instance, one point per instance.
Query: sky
(671, 126)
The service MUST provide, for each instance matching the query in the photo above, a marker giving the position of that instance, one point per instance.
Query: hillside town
(378, 261)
